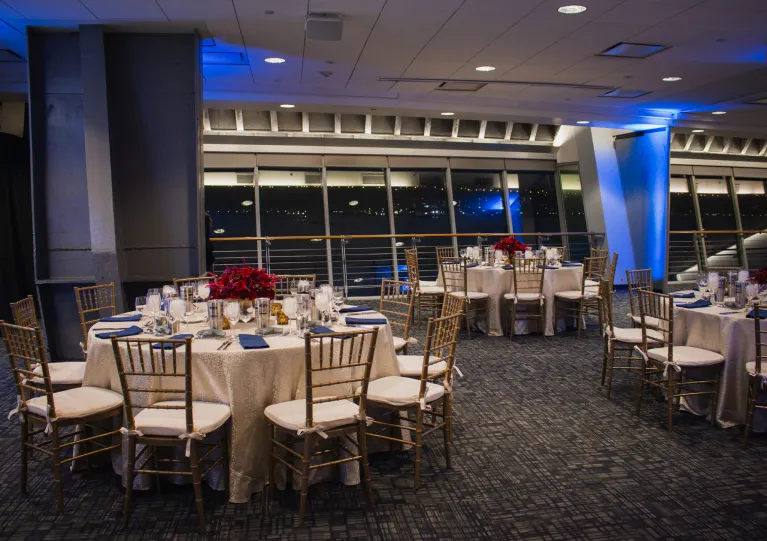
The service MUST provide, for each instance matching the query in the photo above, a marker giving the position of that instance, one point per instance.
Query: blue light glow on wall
(515, 207)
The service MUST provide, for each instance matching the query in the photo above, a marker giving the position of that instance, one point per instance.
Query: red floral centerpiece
(244, 283)
(509, 245)
(760, 276)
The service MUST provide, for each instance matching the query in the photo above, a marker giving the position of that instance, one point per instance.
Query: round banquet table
(497, 281)
(732, 336)
(247, 380)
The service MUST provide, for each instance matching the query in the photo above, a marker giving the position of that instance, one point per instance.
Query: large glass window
(420, 206)
(291, 205)
(229, 202)
(357, 204)
(575, 215)
(682, 254)
(533, 205)
(717, 212)
(752, 203)
(478, 201)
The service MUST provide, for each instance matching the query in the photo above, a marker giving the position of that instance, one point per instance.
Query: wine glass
(140, 304)
(169, 291)
(293, 287)
(153, 302)
(702, 282)
(232, 313)
(290, 308)
(339, 297)
(322, 301)
(203, 290)
(177, 309)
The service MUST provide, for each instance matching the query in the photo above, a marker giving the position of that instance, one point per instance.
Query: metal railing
(691, 252)
(359, 262)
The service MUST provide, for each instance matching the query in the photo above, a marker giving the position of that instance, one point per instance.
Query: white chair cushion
(427, 283)
(77, 402)
(687, 356)
(411, 366)
(472, 295)
(524, 296)
(399, 343)
(430, 290)
(751, 368)
(401, 391)
(634, 336)
(69, 373)
(207, 416)
(575, 295)
(326, 415)
(651, 321)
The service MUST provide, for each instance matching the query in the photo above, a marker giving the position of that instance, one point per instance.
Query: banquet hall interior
(383, 269)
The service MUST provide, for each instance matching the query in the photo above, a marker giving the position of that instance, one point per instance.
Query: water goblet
(232, 313)
(140, 303)
(322, 301)
(304, 306)
(203, 291)
(176, 310)
(153, 302)
(290, 308)
(339, 297)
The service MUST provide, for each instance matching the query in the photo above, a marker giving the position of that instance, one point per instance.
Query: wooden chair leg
(197, 482)
(363, 447)
(487, 317)
(418, 443)
(670, 399)
(225, 462)
(272, 436)
(753, 384)
(467, 307)
(610, 368)
(128, 474)
(715, 396)
(24, 453)
(513, 319)
(446, 431)
(640, 388)
(56, 450)
(580, 318)
(305, 463)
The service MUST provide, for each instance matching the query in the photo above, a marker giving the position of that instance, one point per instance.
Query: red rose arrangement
(509, 245)
(760, 276)
(243, 283)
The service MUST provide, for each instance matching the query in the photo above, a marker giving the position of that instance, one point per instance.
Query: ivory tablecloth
(732, 336)
(497, 281)
(247, 380)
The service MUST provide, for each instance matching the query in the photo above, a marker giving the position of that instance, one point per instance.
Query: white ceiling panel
(147, 10)
(647, 12)
(216, 17)
(51, 9)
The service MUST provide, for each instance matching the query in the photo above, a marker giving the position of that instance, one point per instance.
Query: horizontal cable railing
(691, 252)
(360, 262)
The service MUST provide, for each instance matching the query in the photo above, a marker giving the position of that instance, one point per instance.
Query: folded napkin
(547, 267)
(689, 295)
(121, 319)
(508, 267)
(700, 303)
(321, 330)
(130, 331)
(569, 264)
(350, 309)
(762, 314)
(252, 341)
(366, 321)
(174, 337)
(471, 265)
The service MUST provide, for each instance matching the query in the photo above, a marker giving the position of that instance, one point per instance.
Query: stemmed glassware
(322, 301)
(177, 309)
(703, 283)
(232, 313)
(153, 302)
(203, 291)
(713, 284)
(339, 298)
(304, 306)
(290, 308)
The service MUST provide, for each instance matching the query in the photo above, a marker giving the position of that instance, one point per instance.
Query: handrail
(720, 232)
(403, 235)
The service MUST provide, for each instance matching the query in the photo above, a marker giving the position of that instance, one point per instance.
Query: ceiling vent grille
(621, 93)
(632, 50)
(449, 86)
(244, 178)
(313, 179)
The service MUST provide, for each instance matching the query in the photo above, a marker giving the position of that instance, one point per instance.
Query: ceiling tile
(51, 9)
(147, 10)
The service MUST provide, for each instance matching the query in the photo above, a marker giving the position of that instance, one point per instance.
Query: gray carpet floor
(539, 453)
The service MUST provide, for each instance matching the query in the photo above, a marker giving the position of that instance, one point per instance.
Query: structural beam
(273, 120)
(746, 146)
(337, 123)
(709, 142)
(305, 122)
(397, 125)
(427, 127)
(482, 128)
(509, 127)
(533, 132)
(238, 120)
(456, 124)
(688, 143)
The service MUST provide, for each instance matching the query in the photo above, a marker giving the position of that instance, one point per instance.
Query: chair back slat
(454, 275)
(24, 314)
(446, 252)
(441, 339)
(656, 311)
(282, 283)
(606, 292)
(338, 376)
(413, 274)
(146, 380)
(93, 303)
(26, 352)
(193, 281)
(636, 280)
(452, 305)
(760, 337)
(528, 275)
(397, 301)
(593, 269)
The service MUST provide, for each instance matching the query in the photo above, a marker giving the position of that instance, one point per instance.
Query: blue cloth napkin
(121, 319)
(508, 267)
(547, 267)
(762, 314)
(471, 265)
(568, 264)
(174, 337)
(689, 295)
(251, 341)
(321, 330)
(351, 309)
(700, 303)
(130, 331)
(366, 321)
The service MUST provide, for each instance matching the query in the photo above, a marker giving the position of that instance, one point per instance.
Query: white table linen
(247, 380)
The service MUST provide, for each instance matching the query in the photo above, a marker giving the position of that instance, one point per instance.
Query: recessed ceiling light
(447, 113)
(218, 231)
(672, 79)
(353, 203)
(582, 122)
(485, 68)
(719, 113)
(287, 105)
(274, 60)
(246, 203)
(697, 131)
(572, 10)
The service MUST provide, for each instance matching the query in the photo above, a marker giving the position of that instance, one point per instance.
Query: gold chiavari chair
(527, 279)
(611, 268)
(282, 283)
(619, 342)
(415, 397)
(598, 252)
(609, 271)
(178, 283)
(757, 369)
(24, 313)
(44, 414)
(581, 302)
(93, 303)
(152, 377)
(329, 409)
(664, 365)
(455, 278)
(428, 298)
(636, 280)
(446, 252)
(397, 305)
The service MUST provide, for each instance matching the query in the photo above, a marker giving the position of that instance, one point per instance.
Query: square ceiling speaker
(324, 27)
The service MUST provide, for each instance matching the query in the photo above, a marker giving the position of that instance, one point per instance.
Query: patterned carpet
(538, 454)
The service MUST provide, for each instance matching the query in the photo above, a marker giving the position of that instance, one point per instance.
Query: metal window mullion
(257, 200)
(326, 211)
(450, 205)
(560, 209)
(703, 255)
(741, 246)
(506, 206)
(392, 230)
